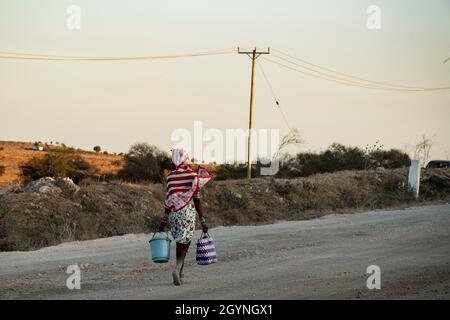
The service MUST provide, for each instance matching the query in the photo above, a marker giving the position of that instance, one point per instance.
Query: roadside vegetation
(47, 208)
(64, 163)
(45, 213)
(2, 167)
(145, 162)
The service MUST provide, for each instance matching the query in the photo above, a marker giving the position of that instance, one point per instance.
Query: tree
(291, 138)
(145, 162)
(59, 164)
(97, 149)
(390, 159)
(423, 149)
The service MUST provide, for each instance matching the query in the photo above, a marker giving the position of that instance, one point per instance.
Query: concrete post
(414, 178)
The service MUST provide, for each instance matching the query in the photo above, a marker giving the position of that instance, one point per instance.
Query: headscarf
(183, 183)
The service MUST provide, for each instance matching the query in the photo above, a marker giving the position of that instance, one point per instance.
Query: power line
(315, 75)
(351, 78)
(331, 77)
(350, 82)
(274, 96)
(341, 73)
(27, 56)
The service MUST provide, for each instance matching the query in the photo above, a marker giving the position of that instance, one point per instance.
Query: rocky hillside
(48, 211)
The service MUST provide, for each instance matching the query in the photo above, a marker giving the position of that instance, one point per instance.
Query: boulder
(43, 185)
(67, 185)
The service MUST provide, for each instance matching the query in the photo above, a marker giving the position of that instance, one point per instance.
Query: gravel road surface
(324, 258)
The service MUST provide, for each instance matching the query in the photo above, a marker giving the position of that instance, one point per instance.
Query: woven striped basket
(206, 251)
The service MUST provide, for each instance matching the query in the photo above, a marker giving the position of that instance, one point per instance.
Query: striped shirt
(181, 181)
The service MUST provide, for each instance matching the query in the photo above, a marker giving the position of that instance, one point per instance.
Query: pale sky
(115, 104)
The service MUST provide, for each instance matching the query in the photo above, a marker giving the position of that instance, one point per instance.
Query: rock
(49, 189)
(67, 185)
(84, 266)
(45, 185)
(11, 188)
(380, 169)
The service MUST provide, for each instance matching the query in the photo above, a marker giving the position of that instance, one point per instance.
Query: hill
(14, 154)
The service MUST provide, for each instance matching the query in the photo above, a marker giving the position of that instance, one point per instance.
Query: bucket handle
(154, 234)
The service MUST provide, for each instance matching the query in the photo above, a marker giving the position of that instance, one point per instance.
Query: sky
(117, 103)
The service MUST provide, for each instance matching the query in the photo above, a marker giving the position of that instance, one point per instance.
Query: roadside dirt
(32, 218)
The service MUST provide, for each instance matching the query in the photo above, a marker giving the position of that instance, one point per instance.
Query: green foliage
(389, 159)
(58, 164)
(145, 163)
(233, 171)
(97, 149)
(339, 157)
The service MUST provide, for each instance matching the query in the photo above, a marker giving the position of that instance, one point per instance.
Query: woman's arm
(164, 221)
(198, 207)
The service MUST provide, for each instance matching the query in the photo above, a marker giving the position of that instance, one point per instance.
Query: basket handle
(204, 235)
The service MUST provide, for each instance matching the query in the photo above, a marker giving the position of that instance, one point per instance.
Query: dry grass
(15, 154)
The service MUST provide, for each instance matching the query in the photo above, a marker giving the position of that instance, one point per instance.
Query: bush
(2, 168)
(145, 163)
(97, 149)
(389, 159)
(336, 158)
(339, 157)
(233, 171)
(59, 164)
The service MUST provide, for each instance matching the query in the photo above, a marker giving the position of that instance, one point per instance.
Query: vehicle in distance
(439, 164)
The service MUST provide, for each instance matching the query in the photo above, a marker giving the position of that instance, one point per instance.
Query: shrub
(2, 168)
(390, 159)
(97, 149)
(145, 163)
(339, 157)
(232, 171)
(59, 164)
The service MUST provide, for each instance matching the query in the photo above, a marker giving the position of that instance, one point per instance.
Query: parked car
(439, 164)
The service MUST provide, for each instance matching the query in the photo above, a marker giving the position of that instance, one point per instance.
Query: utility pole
(254, 54)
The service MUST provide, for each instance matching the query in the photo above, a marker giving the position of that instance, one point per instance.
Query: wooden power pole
(254, 54)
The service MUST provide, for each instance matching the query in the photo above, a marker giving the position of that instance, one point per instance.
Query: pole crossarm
(253, 51)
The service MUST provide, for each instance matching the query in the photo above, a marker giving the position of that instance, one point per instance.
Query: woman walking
(181, 204)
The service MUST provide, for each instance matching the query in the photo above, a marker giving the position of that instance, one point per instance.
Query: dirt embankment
(42, 215)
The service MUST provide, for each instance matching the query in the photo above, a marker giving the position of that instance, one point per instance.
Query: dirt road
(322, 258)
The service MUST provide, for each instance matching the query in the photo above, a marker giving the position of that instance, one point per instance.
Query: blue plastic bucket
(160, 248)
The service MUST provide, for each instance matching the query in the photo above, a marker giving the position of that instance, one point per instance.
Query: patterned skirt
(182, 223)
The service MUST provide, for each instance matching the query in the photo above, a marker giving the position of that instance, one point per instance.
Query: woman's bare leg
(182, 266)
(181, 251)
